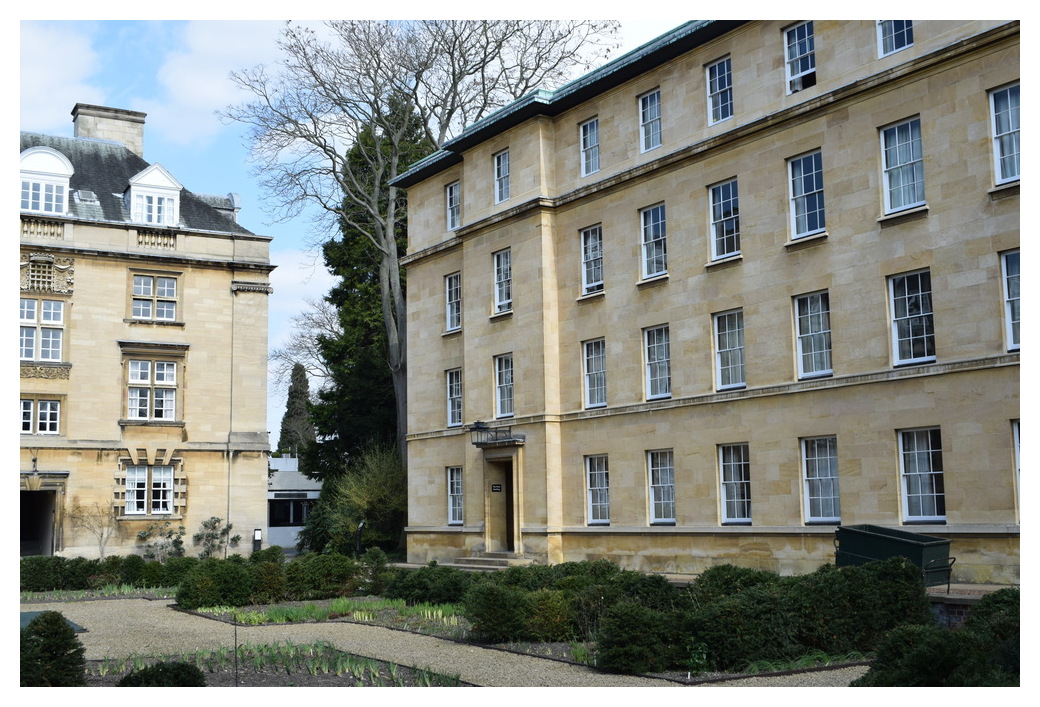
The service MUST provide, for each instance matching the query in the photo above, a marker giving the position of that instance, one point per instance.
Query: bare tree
(97, 519)
(330, 125)
(319, 319)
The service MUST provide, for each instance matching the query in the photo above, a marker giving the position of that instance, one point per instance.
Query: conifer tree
(297, 431)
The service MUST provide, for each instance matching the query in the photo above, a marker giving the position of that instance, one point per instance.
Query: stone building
(743, 284)
(143, 346)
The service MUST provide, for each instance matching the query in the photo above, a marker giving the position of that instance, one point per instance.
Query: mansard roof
(102, 173)
(550, 103)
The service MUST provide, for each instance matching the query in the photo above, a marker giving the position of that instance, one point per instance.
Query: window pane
(725, 220)
(655, 256)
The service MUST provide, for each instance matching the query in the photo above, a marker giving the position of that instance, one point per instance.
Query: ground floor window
(924, 497)
(282, 513)
(598, 489)
(820, 470)
(149, 490)
(735, 471)
(454, 495)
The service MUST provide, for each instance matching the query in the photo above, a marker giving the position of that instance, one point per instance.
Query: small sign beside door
(496, 488)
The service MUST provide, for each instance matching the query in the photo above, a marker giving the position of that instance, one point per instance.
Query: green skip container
(859, 544)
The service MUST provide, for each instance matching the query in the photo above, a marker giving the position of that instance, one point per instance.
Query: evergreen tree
(297, 430)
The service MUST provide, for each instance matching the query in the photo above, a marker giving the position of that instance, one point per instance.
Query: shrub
(268, 582)
(42, 573)
(550, 617)
(758, 623)
(131, 570)
(634, 639)
(152, 574)
(51, 654)
(271, 554)
(377, 571)
(171, 674)
(432, 584)
(497, 612)
(78, 572)
(176, 569)
(215, 583)
(726, 580)
(320, 576)
(213, 537)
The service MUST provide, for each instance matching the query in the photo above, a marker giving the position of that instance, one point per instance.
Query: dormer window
(45, 177)
(154, 197)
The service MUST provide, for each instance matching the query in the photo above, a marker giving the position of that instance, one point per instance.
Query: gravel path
(124, 627)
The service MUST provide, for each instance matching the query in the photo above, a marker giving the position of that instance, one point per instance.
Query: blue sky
(177, 73)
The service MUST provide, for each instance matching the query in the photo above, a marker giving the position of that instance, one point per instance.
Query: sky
(177, 73)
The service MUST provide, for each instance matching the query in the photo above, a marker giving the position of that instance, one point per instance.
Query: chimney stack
(124, 126)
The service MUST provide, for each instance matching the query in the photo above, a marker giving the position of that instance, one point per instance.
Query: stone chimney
(124, 126)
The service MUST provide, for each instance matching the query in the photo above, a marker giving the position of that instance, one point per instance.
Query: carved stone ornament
(60, 372)
(58, 273)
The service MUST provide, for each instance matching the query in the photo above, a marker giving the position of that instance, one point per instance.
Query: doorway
(499, 506)
(36, 523)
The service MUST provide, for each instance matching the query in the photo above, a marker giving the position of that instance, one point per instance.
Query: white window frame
(820, 479)
(808, 214)
(1010, 265)
(893, 37)
(157, 208)
(902, 156)
(730, 371)
(913, 318)
(592, 260)
(453, 205)
(735, 483)
(725, 219)
(501, 176)
(504, 386)
(151, 389)
(812, 320)
(1007, 166)
(41, 330)
(453, 301)
(503, 266)
(149, 489)
(654, 228)
(650, 120)
(455, 495)
(154, 297)
(923, 488)
(719, 79)
(657, 361)
(660, 467)
(453, 395)
(588, 135)
(44, 195)
(800, 56)
(595, 372)
(597, 481)
(41, 416)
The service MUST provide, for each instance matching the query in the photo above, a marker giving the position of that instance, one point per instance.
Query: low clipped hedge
(984, 652)
(167, 674)
(215, 583)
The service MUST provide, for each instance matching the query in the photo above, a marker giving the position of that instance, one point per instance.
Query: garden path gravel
(119, 628)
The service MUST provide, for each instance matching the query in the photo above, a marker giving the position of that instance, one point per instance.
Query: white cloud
(52, 82)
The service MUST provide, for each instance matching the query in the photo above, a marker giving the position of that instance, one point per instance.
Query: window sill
(151, 423)
(653, 281)
(660, 523)
(898, 217)
(816, 376)
(823, 522)
(745, 523)
(724, 262)
(655, 398)
(599, 406)
(599, 524)
(501, 315)
(918, 362)
(729, 388)
(153, 322)
(1002, 191)
(591, 296)
(805, 241)
(453, 332)
(151, 517)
